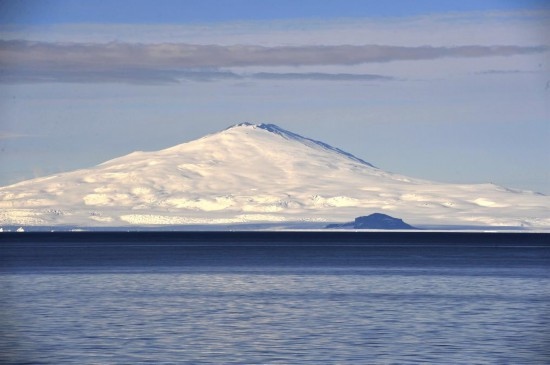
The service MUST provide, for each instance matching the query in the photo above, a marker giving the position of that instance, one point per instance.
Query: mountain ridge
(291, 135)
(256, 173)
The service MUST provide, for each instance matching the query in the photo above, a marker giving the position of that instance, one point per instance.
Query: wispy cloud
(143, 76)
(26, 61)
(506, 72)
(319, 76)
(12, 135)
(154, 77)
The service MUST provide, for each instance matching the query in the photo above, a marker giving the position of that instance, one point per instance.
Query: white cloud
(451, 29)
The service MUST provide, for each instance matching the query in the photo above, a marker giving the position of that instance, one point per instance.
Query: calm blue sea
(216, 303)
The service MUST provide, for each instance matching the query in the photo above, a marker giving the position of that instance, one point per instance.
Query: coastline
(287, 237)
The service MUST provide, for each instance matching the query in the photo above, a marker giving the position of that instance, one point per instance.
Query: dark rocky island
(373, 221)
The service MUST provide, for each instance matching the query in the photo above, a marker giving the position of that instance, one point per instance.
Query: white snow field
(257, 173)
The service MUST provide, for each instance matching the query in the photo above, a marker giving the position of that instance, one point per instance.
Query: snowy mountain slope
(256, 173)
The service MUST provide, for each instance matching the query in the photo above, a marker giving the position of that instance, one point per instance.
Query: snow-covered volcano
(257, 173)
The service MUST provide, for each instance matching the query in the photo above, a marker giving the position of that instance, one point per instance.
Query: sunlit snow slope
(257, 173)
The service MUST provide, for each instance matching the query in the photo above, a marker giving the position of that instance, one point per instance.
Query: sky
(442, 90)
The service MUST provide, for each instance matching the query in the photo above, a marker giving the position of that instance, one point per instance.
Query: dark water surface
(274, 299)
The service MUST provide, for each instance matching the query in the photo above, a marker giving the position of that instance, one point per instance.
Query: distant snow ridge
(290, 135)
(257, 173)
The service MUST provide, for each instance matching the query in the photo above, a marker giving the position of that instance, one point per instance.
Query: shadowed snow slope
(256, 173)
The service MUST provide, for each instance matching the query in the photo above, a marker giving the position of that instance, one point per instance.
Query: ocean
(274, 298)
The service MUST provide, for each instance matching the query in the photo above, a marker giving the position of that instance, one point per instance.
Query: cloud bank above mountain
(35, 61)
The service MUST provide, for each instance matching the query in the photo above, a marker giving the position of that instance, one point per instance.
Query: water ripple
(274, 318)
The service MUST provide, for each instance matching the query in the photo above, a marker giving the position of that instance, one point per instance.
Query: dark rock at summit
(374, 221)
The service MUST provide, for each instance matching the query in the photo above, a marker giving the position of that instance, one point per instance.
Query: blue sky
(178, 11)
(447, 91)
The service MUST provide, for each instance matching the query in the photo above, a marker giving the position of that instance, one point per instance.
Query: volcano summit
(257, 173)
